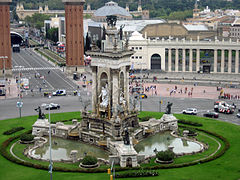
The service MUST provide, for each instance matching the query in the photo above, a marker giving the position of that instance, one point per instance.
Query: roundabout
(208, 133)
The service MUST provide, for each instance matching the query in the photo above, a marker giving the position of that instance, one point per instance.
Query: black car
(211, 114)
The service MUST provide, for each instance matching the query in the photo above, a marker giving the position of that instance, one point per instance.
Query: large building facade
(185, 55)
(5, 40)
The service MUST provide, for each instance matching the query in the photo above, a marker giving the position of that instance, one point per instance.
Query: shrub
(165, 155)
(13, 130)
(26, 137)
(89, 160)
(145, 118)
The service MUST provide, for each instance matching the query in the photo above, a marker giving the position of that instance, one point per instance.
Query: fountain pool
(162, 141)
(61, 149)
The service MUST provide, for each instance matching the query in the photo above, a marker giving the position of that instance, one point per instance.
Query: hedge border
(13, 130)
(5, 144)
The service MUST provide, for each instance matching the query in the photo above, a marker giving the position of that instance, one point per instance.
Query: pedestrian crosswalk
(35, 69)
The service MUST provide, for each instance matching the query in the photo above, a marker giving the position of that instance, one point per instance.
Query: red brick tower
(5, 39)
(74, 34)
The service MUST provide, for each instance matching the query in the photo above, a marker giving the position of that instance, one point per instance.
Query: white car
(192, 111)
(60, 92)
(51, 106)
(238, 115)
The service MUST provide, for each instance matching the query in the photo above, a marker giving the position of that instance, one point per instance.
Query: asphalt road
(58, 80)
(34, 64)
(70, 103)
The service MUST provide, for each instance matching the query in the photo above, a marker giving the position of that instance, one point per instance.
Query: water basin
(162, 141)
(61, 149)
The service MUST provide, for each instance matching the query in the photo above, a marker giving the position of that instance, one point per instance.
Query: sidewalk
(11, 90)
(163, 90)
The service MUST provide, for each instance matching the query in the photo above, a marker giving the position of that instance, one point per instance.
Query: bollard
(109, 171)
(111, 177)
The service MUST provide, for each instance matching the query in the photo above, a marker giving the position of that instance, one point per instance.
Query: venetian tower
(5, 40)
(74, 35)
(110, 96)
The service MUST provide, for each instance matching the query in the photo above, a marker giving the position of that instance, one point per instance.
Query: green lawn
(224, 168)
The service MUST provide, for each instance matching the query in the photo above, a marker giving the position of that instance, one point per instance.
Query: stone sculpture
(40, 114)
(168, 109)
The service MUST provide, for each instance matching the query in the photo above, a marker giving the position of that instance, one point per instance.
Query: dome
(111, 8)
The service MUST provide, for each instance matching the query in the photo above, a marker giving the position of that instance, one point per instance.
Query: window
(136, 57)
(140, 57)
(136, 48)
(132, 48)
(140, 48)
(132, 57)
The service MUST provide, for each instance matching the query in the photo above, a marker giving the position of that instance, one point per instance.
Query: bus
(16, 48)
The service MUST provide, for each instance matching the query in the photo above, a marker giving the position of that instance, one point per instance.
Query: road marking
(35, 69)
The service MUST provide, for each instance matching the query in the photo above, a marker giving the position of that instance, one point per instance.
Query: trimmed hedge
(13, 130)
(189, 123)
(26, 137)
(136, 174)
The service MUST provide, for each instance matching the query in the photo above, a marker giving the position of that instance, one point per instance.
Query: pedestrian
(40, 89)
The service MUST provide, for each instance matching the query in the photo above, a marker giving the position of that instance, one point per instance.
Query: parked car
(192, 111)
(238, 115)
(141, 96)
(51, 106)
(211, 114)
(60, 92)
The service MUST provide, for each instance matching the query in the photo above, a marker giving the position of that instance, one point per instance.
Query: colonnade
(215, 62)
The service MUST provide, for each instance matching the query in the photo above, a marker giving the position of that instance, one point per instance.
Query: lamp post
(19, 70)
(50, 142)
(19, 103)
(4, 74)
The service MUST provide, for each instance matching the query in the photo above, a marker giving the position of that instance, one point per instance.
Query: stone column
(237, 61)
(183, 60)
(5, 40)
(222, 61)
(169, 60)
(126, 86)
(94, 90)
(198, 60)
(229, 61)
(176, 60)
(115, 90)
(215, 61)
(190, 59)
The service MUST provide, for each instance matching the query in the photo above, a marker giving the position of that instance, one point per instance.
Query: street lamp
(19, 70)
(50, 143)
(19, 103)
(4, 74)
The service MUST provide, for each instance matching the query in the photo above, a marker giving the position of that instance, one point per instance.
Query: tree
(52, 34)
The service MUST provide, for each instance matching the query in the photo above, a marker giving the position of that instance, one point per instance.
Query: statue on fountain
(168, 108)
(126, 138)
(40, 114)
(104, 97)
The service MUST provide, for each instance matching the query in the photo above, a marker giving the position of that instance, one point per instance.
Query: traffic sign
(19, 104)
